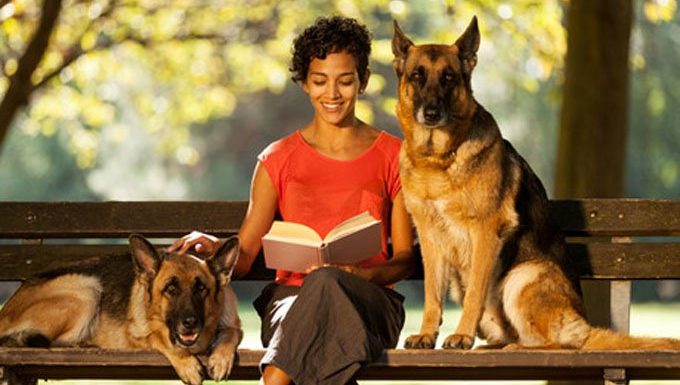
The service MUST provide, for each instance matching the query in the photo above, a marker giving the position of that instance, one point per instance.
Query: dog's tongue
(188, 337)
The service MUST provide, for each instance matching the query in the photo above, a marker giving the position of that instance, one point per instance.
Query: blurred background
(173, 100)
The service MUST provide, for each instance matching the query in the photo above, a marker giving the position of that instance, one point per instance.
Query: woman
(319, 328)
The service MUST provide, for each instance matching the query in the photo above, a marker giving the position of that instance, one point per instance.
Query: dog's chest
(442, 211)
(441, 216)
(435, 192)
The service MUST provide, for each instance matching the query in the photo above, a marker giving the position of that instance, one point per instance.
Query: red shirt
(321, 192)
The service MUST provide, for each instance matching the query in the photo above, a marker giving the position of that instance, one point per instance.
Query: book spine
(324, 255)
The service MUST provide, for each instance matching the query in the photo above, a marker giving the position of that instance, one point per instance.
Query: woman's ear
(303, 83)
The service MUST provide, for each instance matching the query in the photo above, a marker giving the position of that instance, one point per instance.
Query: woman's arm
(403, 261)
(259, 217)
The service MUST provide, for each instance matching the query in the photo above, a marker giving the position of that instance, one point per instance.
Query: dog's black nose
(189, 322)
(432, 114)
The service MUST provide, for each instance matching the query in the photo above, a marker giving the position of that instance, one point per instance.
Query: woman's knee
(328, 277)
(325, 275)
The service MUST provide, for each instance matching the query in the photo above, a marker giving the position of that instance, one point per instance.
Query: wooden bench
(609, 238)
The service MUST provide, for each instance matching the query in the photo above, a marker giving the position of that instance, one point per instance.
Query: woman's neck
(339, 142)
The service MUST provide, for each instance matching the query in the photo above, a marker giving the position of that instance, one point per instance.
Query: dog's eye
(417, 75)
(200, 288)
(171, 289)
(448, 78)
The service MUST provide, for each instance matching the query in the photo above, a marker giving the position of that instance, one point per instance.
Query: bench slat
(596, 260)
(118, 219)
(20, 262)
(602, 217)
(618, 217)
(394, 364)
(625, 261)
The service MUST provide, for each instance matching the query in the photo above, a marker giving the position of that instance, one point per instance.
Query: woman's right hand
(201, 243)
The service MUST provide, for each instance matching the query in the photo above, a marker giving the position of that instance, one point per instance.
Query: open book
(295, 247)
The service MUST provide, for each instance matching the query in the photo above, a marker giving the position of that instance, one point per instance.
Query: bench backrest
(609, 238)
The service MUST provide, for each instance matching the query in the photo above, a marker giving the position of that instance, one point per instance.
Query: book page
(293, 232)
(355, 246)
(289, 256)
(351, 225)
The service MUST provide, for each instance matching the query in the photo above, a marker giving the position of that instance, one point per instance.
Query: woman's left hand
(359, 271)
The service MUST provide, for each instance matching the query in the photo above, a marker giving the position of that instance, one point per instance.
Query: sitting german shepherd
(178, 304)
(482, 216)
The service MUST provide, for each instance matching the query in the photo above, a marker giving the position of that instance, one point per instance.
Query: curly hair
(331, 35)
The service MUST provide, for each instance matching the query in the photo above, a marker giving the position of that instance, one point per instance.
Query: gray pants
(322, 332)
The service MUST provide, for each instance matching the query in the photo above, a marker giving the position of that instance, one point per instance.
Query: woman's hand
(361, 272)
(203, 244)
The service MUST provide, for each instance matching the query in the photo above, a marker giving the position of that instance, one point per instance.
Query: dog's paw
(219, 365)
(512, 346)
(420, 341)
(190, 371)
(458, 341)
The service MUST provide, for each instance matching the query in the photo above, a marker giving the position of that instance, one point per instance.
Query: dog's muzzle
(431, 116)
(188, 331)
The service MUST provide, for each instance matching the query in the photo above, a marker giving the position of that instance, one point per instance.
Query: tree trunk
(594, 118)
(20, 85)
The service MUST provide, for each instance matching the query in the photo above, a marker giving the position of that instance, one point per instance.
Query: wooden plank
(118, 219)
(627, 260)
(595, 260)
(394, 364)
(606, 217)
(618, 217)
(20, 262)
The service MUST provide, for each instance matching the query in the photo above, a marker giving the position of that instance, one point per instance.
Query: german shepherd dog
(178, 304)
(482, 216)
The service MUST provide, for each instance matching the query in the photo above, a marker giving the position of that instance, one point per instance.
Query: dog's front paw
(458, 341)
(190, 370)
(219, 365)
(420, 341)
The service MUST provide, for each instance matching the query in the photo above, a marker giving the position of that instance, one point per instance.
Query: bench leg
(7, 377)
(615, 377)
(620, 306)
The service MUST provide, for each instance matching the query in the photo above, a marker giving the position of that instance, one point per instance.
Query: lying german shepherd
(482, 215)
(178, 304)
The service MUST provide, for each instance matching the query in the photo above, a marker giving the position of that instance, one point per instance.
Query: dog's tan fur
(130, 306)
(482, 215)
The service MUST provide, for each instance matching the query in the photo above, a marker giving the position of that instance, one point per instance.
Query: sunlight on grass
(650, 319)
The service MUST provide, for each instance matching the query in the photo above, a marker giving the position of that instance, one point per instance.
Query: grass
(649, 319)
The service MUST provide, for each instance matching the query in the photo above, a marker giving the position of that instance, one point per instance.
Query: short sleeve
(271, 160)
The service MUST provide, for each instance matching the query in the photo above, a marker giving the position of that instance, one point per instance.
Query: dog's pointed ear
(468, 44)
(400, 45)
(146, 259)
(223, 261)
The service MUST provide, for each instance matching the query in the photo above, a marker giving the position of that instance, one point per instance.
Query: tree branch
(20, 83)
(75, 51)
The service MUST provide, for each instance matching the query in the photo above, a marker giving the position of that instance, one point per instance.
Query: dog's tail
(605, 339)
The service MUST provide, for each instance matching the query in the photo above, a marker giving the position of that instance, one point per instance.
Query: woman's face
(333, 85)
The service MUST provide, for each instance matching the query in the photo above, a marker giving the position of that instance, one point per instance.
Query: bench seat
(395, 364)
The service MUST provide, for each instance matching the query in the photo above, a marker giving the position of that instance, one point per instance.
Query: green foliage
(654, 139)
(184, 92)
(36, 167)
